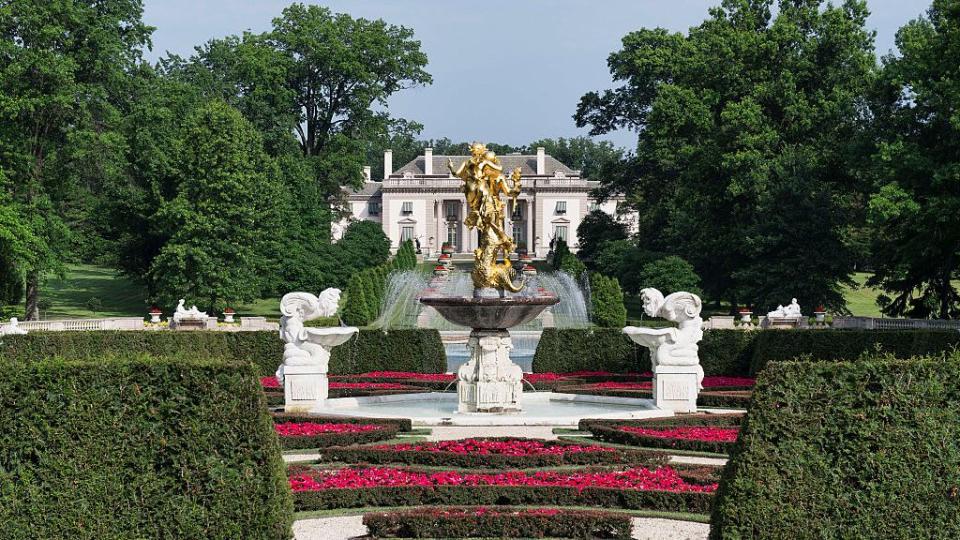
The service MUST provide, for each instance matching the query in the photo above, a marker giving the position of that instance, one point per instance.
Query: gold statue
(483, 182)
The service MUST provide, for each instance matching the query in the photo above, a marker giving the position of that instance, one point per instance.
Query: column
(528, 216)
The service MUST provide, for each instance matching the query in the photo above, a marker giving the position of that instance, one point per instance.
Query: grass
(89, 291)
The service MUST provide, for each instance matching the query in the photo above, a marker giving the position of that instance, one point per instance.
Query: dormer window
(561, 207)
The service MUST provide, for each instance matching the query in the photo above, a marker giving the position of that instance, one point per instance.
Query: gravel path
(694, 460)
(343, 528)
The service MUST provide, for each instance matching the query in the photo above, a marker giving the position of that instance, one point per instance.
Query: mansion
(422, 201)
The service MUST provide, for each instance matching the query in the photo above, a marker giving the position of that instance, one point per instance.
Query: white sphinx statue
(183, 314)
(791, 311)
(12, 328)
(674, 358)
(306, 355)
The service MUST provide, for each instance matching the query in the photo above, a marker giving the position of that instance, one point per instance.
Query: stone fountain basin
(330, 336)
(489, 313)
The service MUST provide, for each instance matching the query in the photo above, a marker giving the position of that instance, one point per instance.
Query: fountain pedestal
(489, 381)
(304, 387)
(675, 388)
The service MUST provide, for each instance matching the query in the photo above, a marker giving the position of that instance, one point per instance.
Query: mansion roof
(527, 164)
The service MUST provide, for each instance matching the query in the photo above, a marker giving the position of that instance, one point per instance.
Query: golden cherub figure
(483, 182)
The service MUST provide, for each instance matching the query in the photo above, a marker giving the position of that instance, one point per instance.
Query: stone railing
(876, 323)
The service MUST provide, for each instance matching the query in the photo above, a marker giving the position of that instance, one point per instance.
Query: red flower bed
(613, 385)
(506, 447)
(269, 382)
(688, 433)
(659, 479)
(723, 382)
(310, 429)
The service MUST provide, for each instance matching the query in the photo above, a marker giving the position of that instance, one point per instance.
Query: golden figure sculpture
(483, 182)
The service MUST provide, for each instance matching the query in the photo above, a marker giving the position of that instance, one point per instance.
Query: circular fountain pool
(539, 409)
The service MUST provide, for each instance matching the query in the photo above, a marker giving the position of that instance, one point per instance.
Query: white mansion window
(452, 210)
(561, 207)
(452, 235)
(560, 232)
(373, 208)
(517, 212)
(407, 207)
(406, 233)
(519, 234)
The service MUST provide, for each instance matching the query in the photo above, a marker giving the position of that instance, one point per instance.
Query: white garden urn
(675, 363)
(306, 356)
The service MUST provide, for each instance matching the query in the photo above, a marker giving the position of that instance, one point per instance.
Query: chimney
(366, 173)
(387, 163)
(541, 161)
(428, 161)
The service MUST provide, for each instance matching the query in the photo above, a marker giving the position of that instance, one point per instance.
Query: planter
(746, 317)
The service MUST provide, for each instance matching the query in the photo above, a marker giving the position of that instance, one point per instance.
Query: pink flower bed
(269, 382)
(515, 447)
(660, 479)
(406, 375)
(366, 386)
(720, 382)
(310, 429)
(688, 433)
(613, 385)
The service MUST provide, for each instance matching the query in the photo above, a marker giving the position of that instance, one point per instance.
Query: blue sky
(542, 54)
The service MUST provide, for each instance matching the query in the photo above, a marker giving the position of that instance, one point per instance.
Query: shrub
(606, 300)
(847, 450)
(138, 447)
(417, 350)
(466, 453)
(497, 522)
(670, 274)
(840, 345)
(722, 352)
(658, 435)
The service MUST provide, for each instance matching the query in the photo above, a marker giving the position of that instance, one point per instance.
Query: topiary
(670, 274)
(606, 299)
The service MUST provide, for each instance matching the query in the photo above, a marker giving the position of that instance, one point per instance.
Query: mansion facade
(423, 202)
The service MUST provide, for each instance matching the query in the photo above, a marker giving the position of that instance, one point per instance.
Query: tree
(597, 228)
(594, 159)
(223, 214)
(606, 298)
(916, 210)
(63, 66)
(670, 274)
(747, 131)
(363, 245)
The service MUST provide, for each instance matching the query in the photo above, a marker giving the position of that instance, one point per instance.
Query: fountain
(494, 300)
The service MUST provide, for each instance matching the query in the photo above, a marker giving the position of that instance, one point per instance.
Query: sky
(539, 56)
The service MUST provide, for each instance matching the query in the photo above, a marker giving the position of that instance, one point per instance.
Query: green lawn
(95, 291)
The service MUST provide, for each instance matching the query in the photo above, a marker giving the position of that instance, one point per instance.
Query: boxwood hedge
(138, 447)
(847, 450)
(418, 350)
(732, 352)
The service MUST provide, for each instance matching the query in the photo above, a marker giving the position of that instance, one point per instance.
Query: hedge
(732, 352)
(722, 352)
(848, 345)
(692, 502)
(138, 447)
(847, 450)
(418, 350)
(401, 424)
(486, 522)
(375, 456)
(610, 431)
(325, 440)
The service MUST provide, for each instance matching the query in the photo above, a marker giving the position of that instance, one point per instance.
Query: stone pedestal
(675, 388)
(489, 381)
(304, 387)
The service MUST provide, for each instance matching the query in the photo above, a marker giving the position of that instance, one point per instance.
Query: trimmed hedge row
(722, 352)
(417, 350)
(326, 440)
(693, 502)
(733, 352)
(848, 345)
(401, 424)
(847, 450)
(609, 431)
(138, 447)
(440, 522)
(374, 456)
